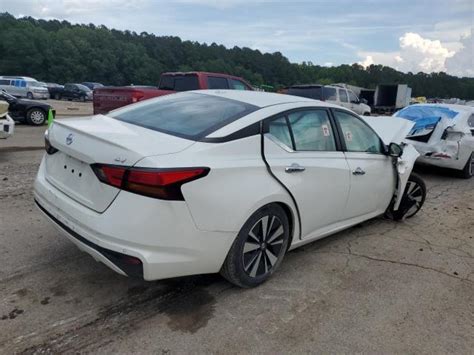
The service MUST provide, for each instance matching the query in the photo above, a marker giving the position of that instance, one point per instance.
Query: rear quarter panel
(237, 185)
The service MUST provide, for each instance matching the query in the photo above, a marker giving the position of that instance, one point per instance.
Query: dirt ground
(380, 287)
(71, 108)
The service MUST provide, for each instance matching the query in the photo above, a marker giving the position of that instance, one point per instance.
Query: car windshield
(83, 87)
(6, 96)
(37, 84)
(187, 115)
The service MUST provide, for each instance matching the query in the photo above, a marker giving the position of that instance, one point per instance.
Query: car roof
(259, 98)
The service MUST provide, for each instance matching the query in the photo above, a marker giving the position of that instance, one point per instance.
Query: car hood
(390, 129)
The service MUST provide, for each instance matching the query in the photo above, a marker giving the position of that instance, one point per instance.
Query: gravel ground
(380, 287)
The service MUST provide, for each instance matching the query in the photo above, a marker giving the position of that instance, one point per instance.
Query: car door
(301, 150)
(344, 98)
(373, 175)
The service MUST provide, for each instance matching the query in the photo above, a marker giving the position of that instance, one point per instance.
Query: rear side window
(329, 94)
(167, 82)
(186, 83)
(343, 95)
(4, 82)
(308, 130)
(188, 115)
(214, 82)
(237, 85)
(309, 92)
(179, 82)
(312, 131)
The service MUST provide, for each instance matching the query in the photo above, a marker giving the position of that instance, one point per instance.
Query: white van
(23, 86)
(334, 94)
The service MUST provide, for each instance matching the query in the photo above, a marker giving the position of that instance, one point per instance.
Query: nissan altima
(229, 181)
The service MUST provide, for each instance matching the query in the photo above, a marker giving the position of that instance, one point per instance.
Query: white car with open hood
(229, 181)
(443, 135)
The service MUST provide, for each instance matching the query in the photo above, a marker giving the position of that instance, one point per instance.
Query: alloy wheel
(263, 246)
(37, 117)
(414, 195)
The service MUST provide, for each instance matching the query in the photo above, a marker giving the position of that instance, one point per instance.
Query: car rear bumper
(161, 234)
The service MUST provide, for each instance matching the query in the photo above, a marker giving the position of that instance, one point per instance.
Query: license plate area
(77, 180)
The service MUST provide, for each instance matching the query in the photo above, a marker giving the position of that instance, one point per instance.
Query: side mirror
(395, 150)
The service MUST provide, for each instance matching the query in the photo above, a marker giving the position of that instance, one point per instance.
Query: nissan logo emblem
(69, 139)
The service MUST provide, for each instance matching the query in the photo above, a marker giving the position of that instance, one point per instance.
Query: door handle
(358, 171)
(294, 168)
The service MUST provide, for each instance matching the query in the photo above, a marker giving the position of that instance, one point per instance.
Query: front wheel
(29, 96)
(36, 117)
(468, 171)
(259, 248)
(412, 200)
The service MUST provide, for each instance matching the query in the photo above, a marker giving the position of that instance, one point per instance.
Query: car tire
(413, 198)
(468, 171)
(259, 248)
(366, 114)
(36, 117)
(29, 96)
(57, 96)
(82, 98)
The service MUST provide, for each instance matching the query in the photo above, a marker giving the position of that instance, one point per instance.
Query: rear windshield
(309, 92)
(179, 82)
(187, 115)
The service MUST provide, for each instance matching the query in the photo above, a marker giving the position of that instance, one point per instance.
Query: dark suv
(72, 92)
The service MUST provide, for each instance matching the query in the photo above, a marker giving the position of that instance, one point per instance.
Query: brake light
(164, 184)
(137, 96)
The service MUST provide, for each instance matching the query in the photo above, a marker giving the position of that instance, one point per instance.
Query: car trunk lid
(99, 139)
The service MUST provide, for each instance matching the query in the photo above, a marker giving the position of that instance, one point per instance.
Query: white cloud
(417, 54)
(462, 63)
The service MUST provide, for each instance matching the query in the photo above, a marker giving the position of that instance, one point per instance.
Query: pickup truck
(71, 92)
(109, 98)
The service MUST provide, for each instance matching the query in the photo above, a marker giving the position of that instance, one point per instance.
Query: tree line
(58, 51)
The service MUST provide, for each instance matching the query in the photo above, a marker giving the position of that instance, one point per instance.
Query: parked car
(27, 111)
(7, 125)
(109, 98)
(52, 87)
(443, 135)
(334, 94)
(92, 85)
(71, 92)
(23, 86)
(219, 180)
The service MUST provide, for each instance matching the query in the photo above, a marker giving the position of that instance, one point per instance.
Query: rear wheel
(412, 200)
(259, 248)
(36, 117)
(57, 96)
(468, 171)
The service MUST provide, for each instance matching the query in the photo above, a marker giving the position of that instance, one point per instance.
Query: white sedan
(443, 135)
(229, 181)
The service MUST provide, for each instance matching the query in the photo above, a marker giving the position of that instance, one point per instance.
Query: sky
(408, 35)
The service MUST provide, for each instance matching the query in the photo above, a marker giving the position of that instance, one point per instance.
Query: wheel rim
(263, 246)
(414, 193)
(37, 117)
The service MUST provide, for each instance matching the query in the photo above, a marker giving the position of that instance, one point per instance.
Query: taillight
(48, 147)
(137, 96)
(164, 184)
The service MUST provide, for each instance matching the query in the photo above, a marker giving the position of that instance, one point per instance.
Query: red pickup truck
(110, 98)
